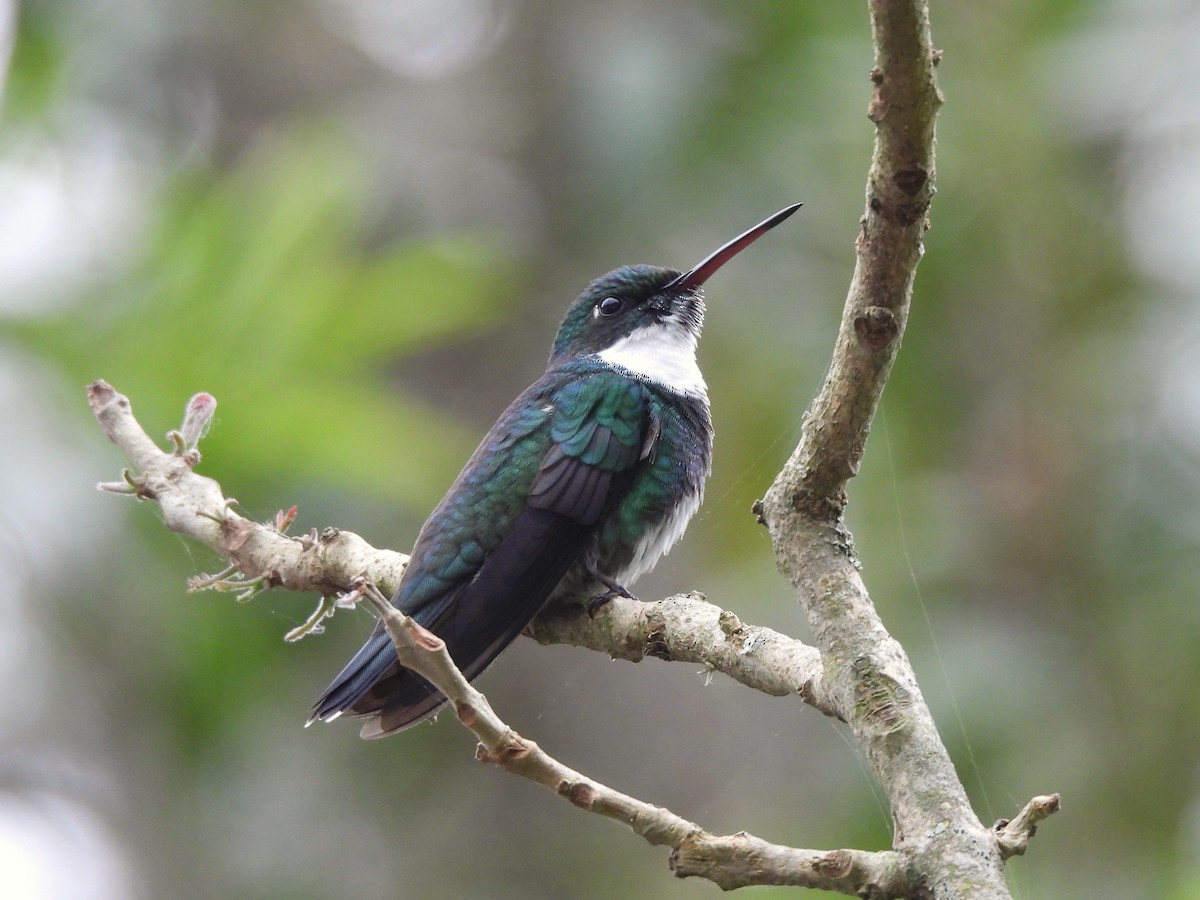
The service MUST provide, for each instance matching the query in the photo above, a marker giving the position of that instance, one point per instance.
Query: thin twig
(195, 506)
(1012, 835)
(731, 861)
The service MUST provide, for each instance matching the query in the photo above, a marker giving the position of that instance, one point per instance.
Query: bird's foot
(599, 601)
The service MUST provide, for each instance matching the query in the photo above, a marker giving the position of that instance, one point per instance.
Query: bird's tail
(477, 621)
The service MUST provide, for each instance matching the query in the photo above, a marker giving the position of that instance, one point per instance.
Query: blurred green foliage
(256, 284)
(356, 224)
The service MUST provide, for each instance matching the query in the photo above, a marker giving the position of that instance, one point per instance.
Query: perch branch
(685, 628)
(681, 628)
(730, 861)
(339, 563)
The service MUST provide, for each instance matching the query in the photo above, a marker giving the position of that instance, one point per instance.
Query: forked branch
(857, 672)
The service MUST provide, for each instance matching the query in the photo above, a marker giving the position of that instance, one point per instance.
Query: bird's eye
(609, 306)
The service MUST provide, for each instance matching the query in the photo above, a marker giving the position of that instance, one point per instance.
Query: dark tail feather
(371, 663)
(486, 616)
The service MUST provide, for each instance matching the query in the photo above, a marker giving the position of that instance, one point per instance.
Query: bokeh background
(356, 222)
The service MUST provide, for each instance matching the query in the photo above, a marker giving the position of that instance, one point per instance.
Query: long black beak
(704, 269)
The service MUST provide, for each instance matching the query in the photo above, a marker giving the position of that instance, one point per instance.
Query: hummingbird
(585, 480)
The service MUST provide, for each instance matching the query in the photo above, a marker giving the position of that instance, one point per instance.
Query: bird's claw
(599, 601)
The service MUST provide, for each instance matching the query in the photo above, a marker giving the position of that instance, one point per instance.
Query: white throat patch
(663, 353)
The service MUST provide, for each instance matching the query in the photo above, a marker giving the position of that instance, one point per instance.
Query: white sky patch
(70, 206)
(1131, 77)
(8, 35)
(421, 38)
(55, 849)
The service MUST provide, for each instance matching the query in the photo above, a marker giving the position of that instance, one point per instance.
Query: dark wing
(483, 567)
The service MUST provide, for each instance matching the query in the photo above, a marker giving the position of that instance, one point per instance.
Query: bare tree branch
(680, 628)
(685, 628)
(194, 506)
(857, 672)
(866, 673)
(741, 860)
(730, 861)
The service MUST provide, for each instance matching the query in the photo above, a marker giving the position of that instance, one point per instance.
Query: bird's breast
(659, 538)
(665, 494)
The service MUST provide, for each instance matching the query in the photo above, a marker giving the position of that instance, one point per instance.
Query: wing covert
(598, 434)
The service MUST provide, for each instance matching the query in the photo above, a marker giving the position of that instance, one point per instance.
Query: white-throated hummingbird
(586, 479)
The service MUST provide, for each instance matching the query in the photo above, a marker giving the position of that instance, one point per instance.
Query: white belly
(658, 541)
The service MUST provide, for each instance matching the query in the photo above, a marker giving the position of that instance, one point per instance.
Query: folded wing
(483, 567)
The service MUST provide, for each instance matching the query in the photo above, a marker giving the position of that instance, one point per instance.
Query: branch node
(466, 713)
(910, 181)
(197, 418)
(578, 793)
(729, 623)
(656, 643)
(834, 864)
(308, 541)
(882, 701)
(876, 328)
(130, 484)
(284, 519)
(510, 749)
(1012, 835)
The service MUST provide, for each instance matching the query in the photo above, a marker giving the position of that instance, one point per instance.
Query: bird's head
(647, 304)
